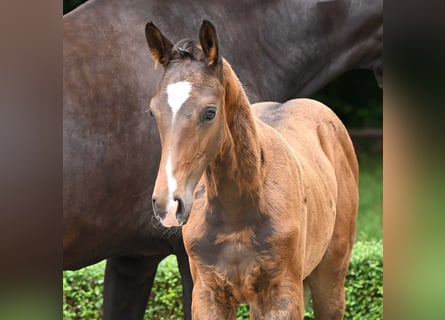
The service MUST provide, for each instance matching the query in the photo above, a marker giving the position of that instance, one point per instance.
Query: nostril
(180, 209)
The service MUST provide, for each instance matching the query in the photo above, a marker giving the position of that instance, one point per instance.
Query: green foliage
(82, 293)
(82, 290)
(364, 282)
(243, 312)
(370, 213)
(165, 302)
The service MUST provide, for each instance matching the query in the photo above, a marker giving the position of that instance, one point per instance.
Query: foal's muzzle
(170, 215)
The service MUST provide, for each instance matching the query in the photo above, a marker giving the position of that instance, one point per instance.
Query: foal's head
(188, 108)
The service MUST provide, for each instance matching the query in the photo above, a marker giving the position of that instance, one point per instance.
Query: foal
(277, 202)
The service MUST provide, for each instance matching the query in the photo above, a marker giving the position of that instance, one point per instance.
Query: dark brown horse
(111, 144)
(280, 200)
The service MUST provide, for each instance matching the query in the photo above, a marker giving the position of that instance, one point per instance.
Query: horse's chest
(234, 258)
(238, 268)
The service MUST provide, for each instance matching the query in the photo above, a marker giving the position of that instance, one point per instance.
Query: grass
(370, 216)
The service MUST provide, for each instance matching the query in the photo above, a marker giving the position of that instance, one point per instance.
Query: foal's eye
(151, 112)
(208, 114)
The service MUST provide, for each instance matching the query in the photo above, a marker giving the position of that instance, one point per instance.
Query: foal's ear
(209, 42)
(159, 45)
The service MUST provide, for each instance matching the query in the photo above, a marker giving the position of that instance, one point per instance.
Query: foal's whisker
(150, 218)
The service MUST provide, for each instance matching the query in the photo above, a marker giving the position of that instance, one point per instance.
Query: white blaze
(172, 184)
(177, 94)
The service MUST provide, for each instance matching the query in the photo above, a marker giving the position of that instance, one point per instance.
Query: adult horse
(285, 49)
(280, 199)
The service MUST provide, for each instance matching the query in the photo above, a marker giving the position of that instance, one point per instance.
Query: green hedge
(82, 292)
(82, 289)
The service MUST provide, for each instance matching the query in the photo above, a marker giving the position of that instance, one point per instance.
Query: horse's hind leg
(127, 286)
(327, 289)
(326, 282)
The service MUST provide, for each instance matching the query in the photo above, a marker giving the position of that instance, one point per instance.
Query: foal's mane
(247, 153)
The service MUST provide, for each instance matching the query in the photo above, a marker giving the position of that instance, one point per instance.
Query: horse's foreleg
(207, 304)
(286, 302)
(127, 286)
(186, 277)
(255, 312)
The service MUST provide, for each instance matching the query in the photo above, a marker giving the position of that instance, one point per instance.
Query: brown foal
(267, 193)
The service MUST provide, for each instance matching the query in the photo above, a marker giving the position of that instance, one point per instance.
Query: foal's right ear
(160, 46)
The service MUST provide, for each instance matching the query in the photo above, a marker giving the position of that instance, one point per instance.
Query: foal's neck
(236, 173)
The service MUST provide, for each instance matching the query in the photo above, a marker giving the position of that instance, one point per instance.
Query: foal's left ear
(209, 42)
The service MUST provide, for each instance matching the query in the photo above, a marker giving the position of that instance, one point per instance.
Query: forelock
(187, 48)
